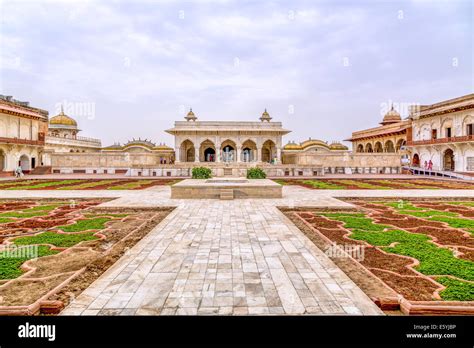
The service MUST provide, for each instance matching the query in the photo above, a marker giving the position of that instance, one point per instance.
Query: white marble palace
(228, 141)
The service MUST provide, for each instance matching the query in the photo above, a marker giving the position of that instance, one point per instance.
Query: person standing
(18, 172)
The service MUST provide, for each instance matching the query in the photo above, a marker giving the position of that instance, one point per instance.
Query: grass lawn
(86, 224)
(433, 260)
(467, 224)
(39, 185)
(30, 212)
(131, 185)
(61, 240)
(456, 290)
(10, 266)
(317, 184)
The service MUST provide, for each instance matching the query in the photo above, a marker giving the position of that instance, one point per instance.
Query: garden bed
(84, 184)
(44, 266)
(417, 255)
(377, 184)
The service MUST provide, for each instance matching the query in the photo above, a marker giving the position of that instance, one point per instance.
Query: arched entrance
(368, 147)
(448, 160)
(378, 147)
(416, 160)
(268, 151)
(249, 151)
(228, 149)
(207, 151)
(2, 161)
(360, 148)
(400, 144)
(187, 151)
(209, 155)
(24, 163)
(389, 147)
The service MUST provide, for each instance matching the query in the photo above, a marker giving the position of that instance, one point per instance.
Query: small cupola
(190, 116)
(265, 116)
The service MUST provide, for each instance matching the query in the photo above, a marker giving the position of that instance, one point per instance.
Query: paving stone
(234, 256)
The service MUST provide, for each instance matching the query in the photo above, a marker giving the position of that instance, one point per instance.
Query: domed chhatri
(338, 146)
(63, 120)
(265, 116)
(190, 116)
(391, 117)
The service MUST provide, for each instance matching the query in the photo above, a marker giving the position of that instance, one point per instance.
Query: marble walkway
(225, 257)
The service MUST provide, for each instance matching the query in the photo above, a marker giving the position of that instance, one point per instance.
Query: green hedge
(256, 173)
(202, 173)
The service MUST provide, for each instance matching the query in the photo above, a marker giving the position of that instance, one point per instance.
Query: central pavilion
(228, 141)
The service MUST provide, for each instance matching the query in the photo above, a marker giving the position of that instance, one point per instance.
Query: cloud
(140, 62)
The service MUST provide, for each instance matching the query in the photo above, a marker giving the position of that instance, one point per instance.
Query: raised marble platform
(226, 188)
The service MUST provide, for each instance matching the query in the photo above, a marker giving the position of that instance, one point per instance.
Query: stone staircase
(226, 194)
(438, 173)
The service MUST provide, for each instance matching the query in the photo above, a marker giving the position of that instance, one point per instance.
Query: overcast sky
(129, 69)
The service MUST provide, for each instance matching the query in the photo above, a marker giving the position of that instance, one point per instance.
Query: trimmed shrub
(256, 173)
(202, 173)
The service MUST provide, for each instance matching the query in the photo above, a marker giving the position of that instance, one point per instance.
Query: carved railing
(442, 140)
(21, 141)
(79, 140)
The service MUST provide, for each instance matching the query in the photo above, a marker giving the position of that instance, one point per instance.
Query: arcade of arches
(228, 151)
(380, 146)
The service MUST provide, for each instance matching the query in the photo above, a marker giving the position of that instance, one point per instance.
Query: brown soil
(445, 236)
(374, 258)
(412, 288)
(70, 261)
(320, 221)
(467, 254)
(7, 206)
(23, 292)
(408, 222)
(337, 235)
(34, 223)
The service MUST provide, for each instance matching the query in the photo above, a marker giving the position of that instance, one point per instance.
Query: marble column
(259, 154)
(218, 152)
(278, 155)
(177, 155)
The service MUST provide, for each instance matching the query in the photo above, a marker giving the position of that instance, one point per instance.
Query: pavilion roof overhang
(27, 112)
(398, 131)
(224, 130)
(227, 127)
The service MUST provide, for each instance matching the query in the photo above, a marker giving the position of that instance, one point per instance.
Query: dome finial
(190, 116)
(265, 116)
